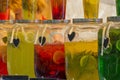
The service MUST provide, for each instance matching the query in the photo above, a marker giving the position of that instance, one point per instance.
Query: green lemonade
(109, 61)
(29, 9)
(81, 60)
(118, 7)
(21, 59)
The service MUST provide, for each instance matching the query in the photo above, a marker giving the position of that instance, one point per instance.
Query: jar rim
(5, 21)
(55, 21)
(83, 20)
(113, 19)
(27, 21)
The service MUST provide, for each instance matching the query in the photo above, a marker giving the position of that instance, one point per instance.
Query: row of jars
(78, 49)
(43, 9)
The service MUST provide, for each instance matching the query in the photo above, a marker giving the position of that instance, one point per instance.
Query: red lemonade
(50, 61)
(58, 9)
(4, 9)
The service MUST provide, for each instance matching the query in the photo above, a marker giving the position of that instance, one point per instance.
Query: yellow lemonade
(81, 60)
(91, 8)
(21, 58)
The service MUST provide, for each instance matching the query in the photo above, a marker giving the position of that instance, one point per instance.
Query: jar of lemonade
(20, 48)
(49, 49)
(81, 49)
(109, 50)
(3, 47)
(117, 7)
(91, 8)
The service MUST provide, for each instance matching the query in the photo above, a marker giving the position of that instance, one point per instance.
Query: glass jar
(117, 7)
(91, 8)
(4, 9)
(4, 25)
(58, 9)
(20, 48)
(81, 49)
(29, 8)
(44, 10)
(49, 49)
(109, 50)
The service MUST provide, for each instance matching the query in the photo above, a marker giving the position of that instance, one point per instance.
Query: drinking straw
(71, 29)
(37, 34)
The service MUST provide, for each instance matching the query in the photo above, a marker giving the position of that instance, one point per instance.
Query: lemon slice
(30, 37)
(118, 45)
(88, 62)
(58, 57)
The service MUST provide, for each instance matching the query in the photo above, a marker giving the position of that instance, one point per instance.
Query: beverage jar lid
(113, 19)
(6, 21)
(82, 20)
(55, 21)
(27, 21)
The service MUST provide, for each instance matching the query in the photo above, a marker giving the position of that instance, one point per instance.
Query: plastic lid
(55, 21)
(113, 19)
(82, 20)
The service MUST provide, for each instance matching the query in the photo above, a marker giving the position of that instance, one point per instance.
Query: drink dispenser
(81, 49)
(109, 50)
(4, 25)
(20, 48)
(49, 49)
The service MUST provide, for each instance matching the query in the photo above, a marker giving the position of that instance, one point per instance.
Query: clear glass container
(91, 8)
(58, 9)
(49, 49)
(3, 46)
(20, 48)
(109, 50)
(44, 11)
(4, 9)
(29, 8)
(117, 7)
(81, 49)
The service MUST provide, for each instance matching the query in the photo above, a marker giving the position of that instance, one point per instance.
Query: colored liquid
(20, 60)
(3, 64)
(58, 9)
(4, 10)
(81, 60)
(29, 8)
(49, 61)
(109, 61)
(118, 7)
(91, 8)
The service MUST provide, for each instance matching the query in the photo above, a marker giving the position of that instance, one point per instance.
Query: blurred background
(75, 9)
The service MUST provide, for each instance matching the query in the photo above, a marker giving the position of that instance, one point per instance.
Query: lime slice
(83, 61)
(118, 45)
(88, 62)
(30, 37)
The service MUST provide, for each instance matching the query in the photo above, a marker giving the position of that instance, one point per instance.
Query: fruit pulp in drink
(49, 61)
(81, 60)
